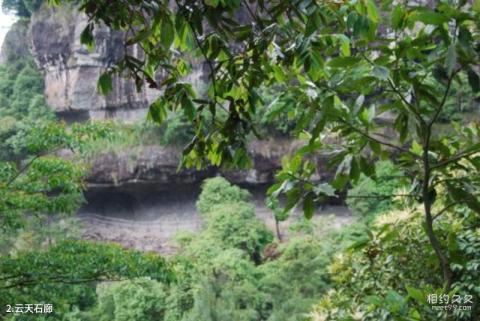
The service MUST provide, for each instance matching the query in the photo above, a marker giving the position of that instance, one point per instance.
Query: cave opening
(141, 202)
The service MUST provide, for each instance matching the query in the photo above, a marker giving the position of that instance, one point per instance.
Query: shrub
(132, 300)
(234, 225)
(302, 225)
(218, 301)
(389, 274)
(121, 137)
(22, 108)
(230, 285)
(234, 271)
(296, 278)
(28, 83)
(7, 80)
(113, 137)
(217, 191)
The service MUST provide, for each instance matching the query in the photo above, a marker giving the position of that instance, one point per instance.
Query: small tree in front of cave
(373, 73)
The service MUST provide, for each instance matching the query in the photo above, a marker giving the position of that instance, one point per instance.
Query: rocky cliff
(71, 71)
(159, 165)
(71, 74)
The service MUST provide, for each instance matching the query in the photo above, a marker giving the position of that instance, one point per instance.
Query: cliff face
(71, 73)
(156, 165)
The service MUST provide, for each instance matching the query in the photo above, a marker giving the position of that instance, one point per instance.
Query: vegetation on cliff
(22, 8)
(372, 82)
(377, 74)
(233, 268)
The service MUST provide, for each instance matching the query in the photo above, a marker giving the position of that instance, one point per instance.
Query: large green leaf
(324, 189)
(451, 59)
(86, 37)
(380, 72)
(474, 80)
(397, 17)
(372, 11)
(158, 111)
(105, 83)
(428, 17)
(308, 205)
(167, 32)
(415, 294)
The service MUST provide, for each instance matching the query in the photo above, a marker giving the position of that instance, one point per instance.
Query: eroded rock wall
(71, 71)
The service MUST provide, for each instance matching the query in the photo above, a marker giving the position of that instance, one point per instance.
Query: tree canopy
(22, 8)
(375, 73)
(364, 80)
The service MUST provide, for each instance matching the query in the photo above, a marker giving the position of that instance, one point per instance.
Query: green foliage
(464, 246)
(22, 108)
(297, 278)
(22, 8)
(230, 223)
(31, 192)
(214, 277)
(7, 80)
(390, 273)
(115, 137)
(177, 130)
(461, 103)
(372, 196)
(281, 289)
(28, 83)
(119, 137)
(340, 84)
(386, 102)
(40, 262)
(15, 52)
(315, 55)
(39, 232)
(132, 300)
(355, 91)
(276, 118)
(224, 271)
(66, 273)
(231, 269)
(218, 190)
(42, 183)
(228, 293)
(39, 265)
(302, 225)
(234, 225)
(104, 82)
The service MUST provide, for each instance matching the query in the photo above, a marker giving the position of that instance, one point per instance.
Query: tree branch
(381, 196)
(446, 208)
(205, 56)
(399, 94)
(455, 158)
(442, 103)
(366, 135)
(22, 170)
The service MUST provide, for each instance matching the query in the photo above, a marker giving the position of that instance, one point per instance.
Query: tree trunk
(427, 203)
(277, 229)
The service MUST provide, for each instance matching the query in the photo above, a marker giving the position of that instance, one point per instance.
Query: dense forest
(372, 106)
